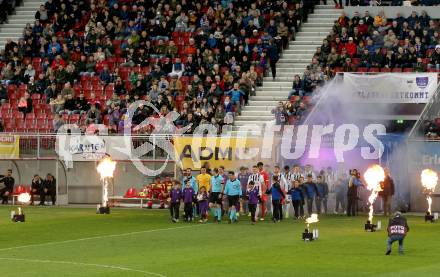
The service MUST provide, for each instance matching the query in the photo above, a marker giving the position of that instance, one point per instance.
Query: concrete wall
(81, 183)
(390, 12)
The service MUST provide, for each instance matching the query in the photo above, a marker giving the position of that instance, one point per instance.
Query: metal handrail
(415, 131)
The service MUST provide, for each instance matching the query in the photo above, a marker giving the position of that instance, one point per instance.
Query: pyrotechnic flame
(106, 167)
(429, 203)
(24, 197)
(373, 176)
(429, 180)
(312, 219)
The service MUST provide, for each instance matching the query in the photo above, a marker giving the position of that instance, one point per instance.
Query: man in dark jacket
(277, 195)
(274, 56)
(397, 229)
(50, 188)
(341, 193)
(352, 194)
(37, 188)
(387, 193)
(8, 186)
(310, 193)
(321, 198)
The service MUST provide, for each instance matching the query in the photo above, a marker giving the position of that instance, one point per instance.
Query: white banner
(95, 147)
(390, 87)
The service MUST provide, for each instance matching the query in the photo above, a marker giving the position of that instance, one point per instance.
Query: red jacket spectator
(363, 28)
(57, 62)
(351, 47)
(190, 50)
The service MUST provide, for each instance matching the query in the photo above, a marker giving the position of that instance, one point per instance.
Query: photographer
(352, 194)
(397, 229)
(8, 186)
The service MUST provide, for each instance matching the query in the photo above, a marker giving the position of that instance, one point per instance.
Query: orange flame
(373, 176)
(429, 180)
(106, 167)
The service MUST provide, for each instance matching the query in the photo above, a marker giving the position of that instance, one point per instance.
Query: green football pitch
(133, 242)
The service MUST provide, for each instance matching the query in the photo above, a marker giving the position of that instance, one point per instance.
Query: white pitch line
(99, 237)
(123, 268)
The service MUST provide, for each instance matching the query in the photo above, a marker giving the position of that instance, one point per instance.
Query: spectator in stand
(93, 115)
(25, 104)
(57, 122)
(297, 87)
(348, 66)
(236, 94)
(121, 31)
(273, 58)
(365, 59)
(351, 47)
(3, 94)
(105, 75)
(435, 58)
(69, 106)
(280, 114)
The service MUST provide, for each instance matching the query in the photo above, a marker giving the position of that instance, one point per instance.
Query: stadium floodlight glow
(106, 167)
(429, 180)
(307, 235)
(18, 215)
(373, 176)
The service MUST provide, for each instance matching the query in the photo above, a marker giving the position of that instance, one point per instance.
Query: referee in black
(8, 182)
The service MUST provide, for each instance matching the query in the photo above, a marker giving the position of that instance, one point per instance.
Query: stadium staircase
(23, 14)
(293, 61)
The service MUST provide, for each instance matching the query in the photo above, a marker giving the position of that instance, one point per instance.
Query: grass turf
(77, 242)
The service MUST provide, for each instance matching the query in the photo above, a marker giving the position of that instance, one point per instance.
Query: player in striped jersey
(258, 180)
(288, 176)
(308, 170)
(296, 173)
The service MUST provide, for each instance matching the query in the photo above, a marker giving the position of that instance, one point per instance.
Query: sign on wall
(390, 87)
(9, 146)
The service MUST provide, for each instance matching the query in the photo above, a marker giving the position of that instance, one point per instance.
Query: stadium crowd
(365, 43)
(260, 191)
(84, 62)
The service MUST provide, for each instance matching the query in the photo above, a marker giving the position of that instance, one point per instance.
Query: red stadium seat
(19, 189)
(17, 115)
(41, 122)
(131, 193)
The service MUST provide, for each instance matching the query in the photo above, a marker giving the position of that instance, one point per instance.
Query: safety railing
(430, 112)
